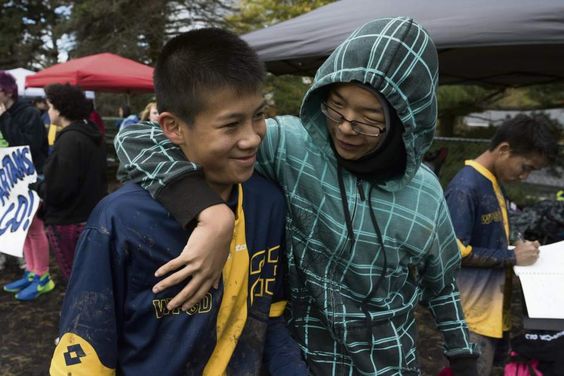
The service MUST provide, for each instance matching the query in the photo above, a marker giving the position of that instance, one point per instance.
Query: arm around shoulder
(189, 198)
(202, 259)
(148, 157)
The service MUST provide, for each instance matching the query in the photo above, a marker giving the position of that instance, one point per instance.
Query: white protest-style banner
(18, 203)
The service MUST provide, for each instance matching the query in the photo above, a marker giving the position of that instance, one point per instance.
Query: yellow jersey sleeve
(75, 356)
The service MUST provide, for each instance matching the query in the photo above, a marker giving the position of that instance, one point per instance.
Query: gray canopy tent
(499, 42)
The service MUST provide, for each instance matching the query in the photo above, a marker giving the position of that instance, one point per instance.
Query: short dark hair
(126, 110)
(8, 84)
(194, 64)
(528, 135)
(68, 100)
(37, 100)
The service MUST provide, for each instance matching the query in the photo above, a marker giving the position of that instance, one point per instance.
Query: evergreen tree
(30, 32)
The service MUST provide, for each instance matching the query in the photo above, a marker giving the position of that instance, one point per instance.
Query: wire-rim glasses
(358, 127)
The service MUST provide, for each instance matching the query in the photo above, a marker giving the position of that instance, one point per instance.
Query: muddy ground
(28, 330)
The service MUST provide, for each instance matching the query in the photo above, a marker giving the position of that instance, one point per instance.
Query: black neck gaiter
(387, 162)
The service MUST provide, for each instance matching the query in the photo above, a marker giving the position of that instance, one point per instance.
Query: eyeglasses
(368, 129)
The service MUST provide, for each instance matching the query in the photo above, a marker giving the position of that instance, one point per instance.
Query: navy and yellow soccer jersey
(112, 322)
(478, 209)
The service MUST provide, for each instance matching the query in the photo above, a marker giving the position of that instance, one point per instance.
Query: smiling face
(224, 137)
(359, 104)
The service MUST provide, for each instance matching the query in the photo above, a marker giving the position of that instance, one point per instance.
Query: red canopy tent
(101, 72)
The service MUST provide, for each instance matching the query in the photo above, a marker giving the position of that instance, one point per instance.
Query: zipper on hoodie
(333, 325)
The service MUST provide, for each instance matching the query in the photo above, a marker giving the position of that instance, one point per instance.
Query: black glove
(34, 186)
(38, 187)
(464, 366)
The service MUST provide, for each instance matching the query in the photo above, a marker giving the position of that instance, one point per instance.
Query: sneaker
(21, 283)
(39, 285)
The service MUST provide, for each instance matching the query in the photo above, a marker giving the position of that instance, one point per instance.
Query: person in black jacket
(21, 125)
(75, 172)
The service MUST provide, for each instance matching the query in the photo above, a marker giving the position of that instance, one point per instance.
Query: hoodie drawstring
(380, 239)
(348, 222)
(345, 202)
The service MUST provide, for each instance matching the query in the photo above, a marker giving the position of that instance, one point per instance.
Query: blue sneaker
(21, 283)
(39, 285)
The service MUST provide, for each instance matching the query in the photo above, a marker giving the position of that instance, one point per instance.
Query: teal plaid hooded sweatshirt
(351, 307)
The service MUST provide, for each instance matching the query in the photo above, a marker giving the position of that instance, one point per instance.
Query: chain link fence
(540, 185)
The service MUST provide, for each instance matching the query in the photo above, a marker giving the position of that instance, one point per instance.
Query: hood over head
(396, 58)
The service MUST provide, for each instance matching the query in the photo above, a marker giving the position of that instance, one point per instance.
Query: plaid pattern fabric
(147, 157)
(333, 292)
(345, 323)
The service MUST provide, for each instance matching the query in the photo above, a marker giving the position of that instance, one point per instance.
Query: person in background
(20, 125)
(95, 117)
(3, 144)
(19, 122)
(478, 208)
(129, 118)
(368, 231)
(150, 113)
(41, 104)
(75, 172)
(52, 136)
(209, 83)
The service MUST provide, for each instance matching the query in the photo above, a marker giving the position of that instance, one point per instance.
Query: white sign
(543, 282)
(18, 203)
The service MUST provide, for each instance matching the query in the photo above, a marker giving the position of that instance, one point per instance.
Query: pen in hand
(526, 252)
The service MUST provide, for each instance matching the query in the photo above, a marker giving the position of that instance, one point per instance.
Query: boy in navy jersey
(208, 85)
(478, 208)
